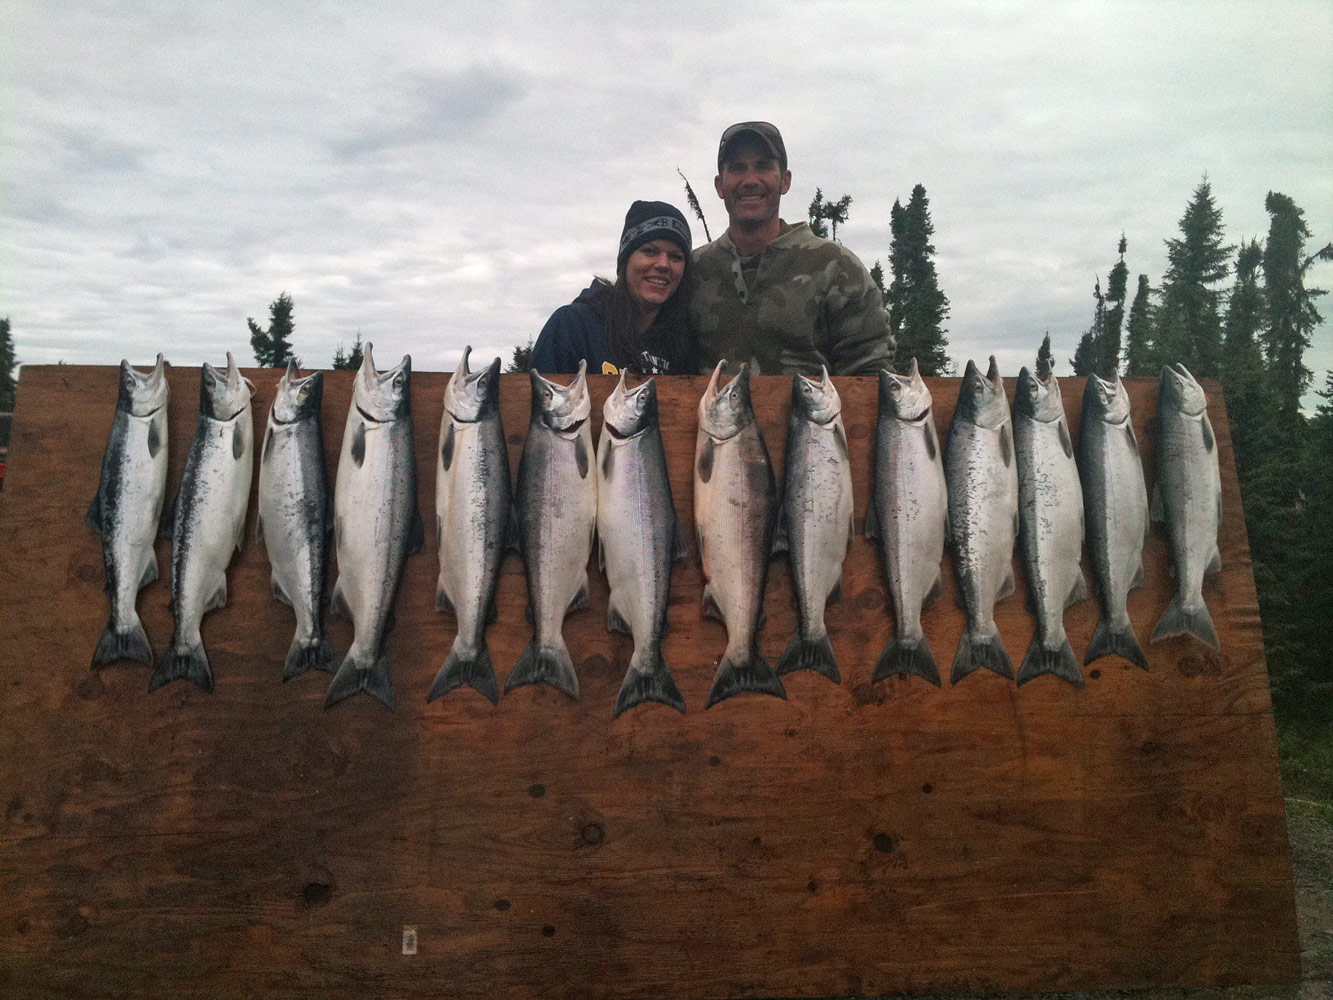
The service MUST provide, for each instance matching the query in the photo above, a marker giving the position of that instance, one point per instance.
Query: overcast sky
(433, 175)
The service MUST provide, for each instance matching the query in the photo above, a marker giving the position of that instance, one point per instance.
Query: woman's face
(654, 270)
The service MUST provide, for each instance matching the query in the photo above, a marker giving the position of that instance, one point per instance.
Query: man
(774, 294)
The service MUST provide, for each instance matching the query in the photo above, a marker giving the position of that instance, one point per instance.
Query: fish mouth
(618, 435)
(373, 420)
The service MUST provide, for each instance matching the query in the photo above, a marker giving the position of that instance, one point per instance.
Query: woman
(638, 323)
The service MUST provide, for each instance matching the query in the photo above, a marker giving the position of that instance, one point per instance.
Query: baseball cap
(767, 134)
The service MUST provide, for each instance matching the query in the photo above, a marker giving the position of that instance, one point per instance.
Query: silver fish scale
(911, 504)
(817, 506)
(983, 511)
(1050, 501)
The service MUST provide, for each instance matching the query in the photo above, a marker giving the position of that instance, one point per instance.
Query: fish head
(904, 396)
(815, 400)
(470, 395)
(1181, 392)
(382, 396)
(725, 412)
(297, 398)
(1105, 401)
(1037, 395)
(562, 408)
(143, 395)
(224, 395)
(982, 400)
(628, 412)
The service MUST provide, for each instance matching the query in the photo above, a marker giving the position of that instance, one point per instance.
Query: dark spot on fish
(1207, 433)
(502, 905)
(1151, 746)
(812, 885)
(154, 439)
(706, 461)
(883, 842)
(237, 441)
(14, 807)
(1065, 443)
(537, 790)
(714, 761)
(359, 445)
(606, 461)
(1006, 446)
(548, 931)
(930, 442)
(447, 449)
(316, 893)
(90, 688)
(870, 599)
(594, 833)
(927, 788)
(1094, 674)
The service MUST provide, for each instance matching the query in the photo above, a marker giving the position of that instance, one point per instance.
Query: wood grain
(852, 839)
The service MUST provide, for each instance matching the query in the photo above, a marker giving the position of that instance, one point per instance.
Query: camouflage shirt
(807, 301)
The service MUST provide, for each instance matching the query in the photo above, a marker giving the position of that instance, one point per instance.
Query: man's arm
(858, 339)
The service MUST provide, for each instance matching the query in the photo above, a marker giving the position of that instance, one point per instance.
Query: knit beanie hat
(652, 220)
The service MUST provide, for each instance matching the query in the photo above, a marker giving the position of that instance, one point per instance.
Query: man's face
(752, 183)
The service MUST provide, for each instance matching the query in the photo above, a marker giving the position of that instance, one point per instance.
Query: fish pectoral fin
(237, 441)
(1155, 508)
(679, 546)
(581, 598)
(149, 573)
(836, 593)
(529, 615)
(1007, 587)
(219, 598)
(601, 556)
(416, 534)
(338, 601)
(165, 518)
(281, 594)
(1079, 591)
(259, 528)
(1215, 563)
(1138, 576)
(615, 621)
(94, 516)
(513, 536)
(710, 608)
(442, 602)
(932, 595)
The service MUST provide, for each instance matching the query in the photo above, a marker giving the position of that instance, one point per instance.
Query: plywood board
(855, 838)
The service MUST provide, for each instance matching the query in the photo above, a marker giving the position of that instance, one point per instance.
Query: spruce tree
(8, 385)
(1189, 323)
(1087, 356)
(1245, 316)
(1117, 283)
(1139, 356)
(349, 361)
(273, 347)
(917, 306)
(522, 358)
(1044, 359)
(1291, 311)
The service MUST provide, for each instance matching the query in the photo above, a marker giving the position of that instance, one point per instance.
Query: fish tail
(649, 679)
(1060, 662)
(810, 654)
(544, 665)
(1179, 619)
(909, 656)
(122, 644)
(355, 676)
(183, 663)
(986, 652)
(1109, 639)
(750, 674)
(303, 656)
(473, 669)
